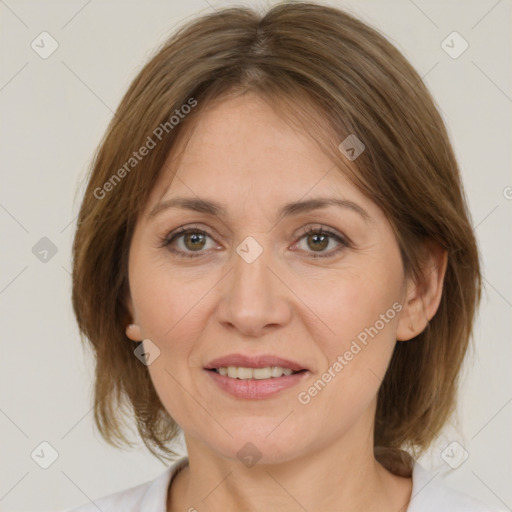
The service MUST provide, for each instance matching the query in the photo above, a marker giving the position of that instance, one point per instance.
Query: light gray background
(54, 112)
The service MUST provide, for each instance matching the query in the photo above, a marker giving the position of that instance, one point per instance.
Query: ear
(132, 329)
(423, 298)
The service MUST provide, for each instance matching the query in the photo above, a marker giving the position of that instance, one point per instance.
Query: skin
(288, 303)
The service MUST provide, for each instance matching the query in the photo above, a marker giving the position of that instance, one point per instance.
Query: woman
(274, 255)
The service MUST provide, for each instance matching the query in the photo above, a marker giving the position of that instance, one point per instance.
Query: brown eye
(318, 239)
(194, 241)
(188, 242)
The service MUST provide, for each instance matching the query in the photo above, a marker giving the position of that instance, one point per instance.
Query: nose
(254, 299)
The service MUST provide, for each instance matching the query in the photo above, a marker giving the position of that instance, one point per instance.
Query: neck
(340, 477)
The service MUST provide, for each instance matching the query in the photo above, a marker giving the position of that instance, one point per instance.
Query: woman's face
(249, 287)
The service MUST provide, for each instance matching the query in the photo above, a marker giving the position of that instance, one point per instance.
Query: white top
(428, 495)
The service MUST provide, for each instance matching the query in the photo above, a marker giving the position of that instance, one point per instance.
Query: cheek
(354, 301)
(168, 303)
(171, 312)
(356, 331)
(356, 352)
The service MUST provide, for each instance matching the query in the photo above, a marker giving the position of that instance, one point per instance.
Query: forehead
(240, 150)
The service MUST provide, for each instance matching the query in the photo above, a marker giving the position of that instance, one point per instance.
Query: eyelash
(171, 237)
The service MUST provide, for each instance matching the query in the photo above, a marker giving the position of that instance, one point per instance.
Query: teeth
(260, 373)
(275, 371)
(240, 372)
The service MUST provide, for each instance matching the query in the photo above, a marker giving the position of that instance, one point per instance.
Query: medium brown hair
(323, 68)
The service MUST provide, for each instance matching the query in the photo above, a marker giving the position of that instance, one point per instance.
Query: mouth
(254, 377)
(245, 373)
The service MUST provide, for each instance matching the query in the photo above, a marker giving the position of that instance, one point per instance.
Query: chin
(257, 442)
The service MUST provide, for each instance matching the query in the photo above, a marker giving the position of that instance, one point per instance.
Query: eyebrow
(216, 209)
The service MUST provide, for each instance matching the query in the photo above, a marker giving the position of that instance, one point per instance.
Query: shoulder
(430, 494)
(151, 495)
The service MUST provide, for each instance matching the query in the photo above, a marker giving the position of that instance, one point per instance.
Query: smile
(244, 373)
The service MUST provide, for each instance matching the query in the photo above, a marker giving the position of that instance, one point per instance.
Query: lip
(259, 361)
(254, 389)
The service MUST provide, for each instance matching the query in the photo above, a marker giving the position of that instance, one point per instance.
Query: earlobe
(423, 297)
(133, 332)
